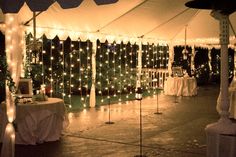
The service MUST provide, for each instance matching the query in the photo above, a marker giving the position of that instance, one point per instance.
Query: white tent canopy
(152, 21)
(128, 20)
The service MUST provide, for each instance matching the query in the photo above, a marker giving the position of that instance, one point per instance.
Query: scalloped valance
(13, 6)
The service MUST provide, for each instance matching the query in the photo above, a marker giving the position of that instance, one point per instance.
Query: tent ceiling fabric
(153, 20)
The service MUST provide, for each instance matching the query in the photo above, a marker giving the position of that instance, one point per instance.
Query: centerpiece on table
(41, 96)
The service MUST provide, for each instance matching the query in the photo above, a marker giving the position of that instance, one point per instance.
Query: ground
(177, 132)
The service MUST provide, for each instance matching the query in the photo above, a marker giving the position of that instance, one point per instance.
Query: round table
(180, 86)
(38, 122)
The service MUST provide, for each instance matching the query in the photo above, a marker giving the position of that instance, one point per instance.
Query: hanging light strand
(100, 70)
(88, 68)
(42, 62)
(71, 71)
(80, 72)
(153, 68)
(108, 65)
(136, 63)
(126, 71)
(114, 68)
(131, 67)
(156, 66)
(120, 76)
(63, 69)
(149, 67)
(162, 66)
(51, 70)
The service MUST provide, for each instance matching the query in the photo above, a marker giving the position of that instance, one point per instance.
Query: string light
(148, 68)
(71, 71)
(126, 71)
(108, 68)
(114, 68)
(161, 66)
(120, 76)
(153, 68)
(88, 70)
(80, 70)
(63, 69)
(99, 54)
(124, 53)
(42, 60)
(50, 69)
(131, 67)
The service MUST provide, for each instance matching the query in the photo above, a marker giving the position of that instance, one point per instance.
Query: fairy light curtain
(104, 72)
(64, 67)
(154, 59)
(201, 57)
(180, 60)
(215, 64)
(131, 68)
(202, 69)
(77, 72)
(116, 71)
(145, 65)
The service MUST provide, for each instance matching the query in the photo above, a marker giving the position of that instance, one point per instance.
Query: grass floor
(78, 102)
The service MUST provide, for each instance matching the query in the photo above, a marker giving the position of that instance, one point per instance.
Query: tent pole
(27, 22)
(34, 38)
(179, 31)
(92, 91)
(171, 57)
(220, 135)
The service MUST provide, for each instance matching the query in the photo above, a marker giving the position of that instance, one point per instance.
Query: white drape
(92, 91)
(139, 67)
(192, 58)
(14, 47)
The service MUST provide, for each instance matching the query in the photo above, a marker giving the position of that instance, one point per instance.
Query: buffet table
(38, 122)
(180, 86)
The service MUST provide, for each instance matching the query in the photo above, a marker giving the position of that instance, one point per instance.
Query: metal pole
(224, 126)
(157, 112)
(141, 142)
(140, 132)
(109, 108)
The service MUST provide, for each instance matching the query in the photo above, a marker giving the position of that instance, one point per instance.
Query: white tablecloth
(232, 100)
(38, 122)
(180, 86)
